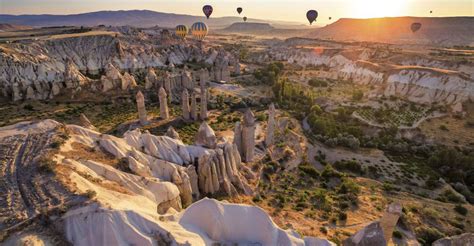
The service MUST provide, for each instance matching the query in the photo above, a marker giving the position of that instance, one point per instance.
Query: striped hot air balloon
(181, 31)
(199, 30)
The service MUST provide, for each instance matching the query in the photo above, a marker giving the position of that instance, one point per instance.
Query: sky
(286, 10)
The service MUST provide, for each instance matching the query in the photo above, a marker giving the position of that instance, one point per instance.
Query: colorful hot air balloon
(245, 18)
(239, 10)
(312, 15)
(207, 9)
(415, 27)
(181, 31)
(199, 30)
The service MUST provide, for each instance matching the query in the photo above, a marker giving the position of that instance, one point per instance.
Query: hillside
(435, 31)
(265, 30)
(138, 18)
(5, 27)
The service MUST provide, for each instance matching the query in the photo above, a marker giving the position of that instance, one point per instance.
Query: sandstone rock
(205, 136)
(225, 72)
(248, 136)
(389, 220)
(368, 236)
(203, 114)
(466, 239)
(185, 105)
(141, 108)
(128, 82)
(150, 79)
(270, 133)
(164, 114)
(85, 122)
(193, 106)
(238, 137)
(172, 133)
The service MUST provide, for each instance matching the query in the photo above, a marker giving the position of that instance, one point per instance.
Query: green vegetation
(391, 117)
(461, 209)
(318, 83)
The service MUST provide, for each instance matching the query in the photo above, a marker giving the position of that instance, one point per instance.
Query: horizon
(257, 10)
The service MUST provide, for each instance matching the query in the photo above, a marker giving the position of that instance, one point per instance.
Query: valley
(137, 134)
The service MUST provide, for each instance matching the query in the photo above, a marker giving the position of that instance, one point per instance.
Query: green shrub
(461, 209)
(397, 234)
(342, 216)
(427, 235)
(308, 169)
(357, 95)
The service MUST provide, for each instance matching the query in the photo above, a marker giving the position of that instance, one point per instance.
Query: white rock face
(417, 79)
(244, 136)
(239, 224)
(271, 125)
(126, 206)
(44, 66)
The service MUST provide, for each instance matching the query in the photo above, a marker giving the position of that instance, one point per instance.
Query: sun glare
(378, 8)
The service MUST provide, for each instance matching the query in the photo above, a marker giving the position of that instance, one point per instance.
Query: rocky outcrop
(379, 232)
(164, 113)
(244, 136)
(459, 240)
(150, 79)
(417, 79)
(142, 116)
(172, 133)
(271, 126)
(193, 106)
(44, 69)
(185, 105)
(128, 82)
(370, 235)
(85, 122)
(205, 136)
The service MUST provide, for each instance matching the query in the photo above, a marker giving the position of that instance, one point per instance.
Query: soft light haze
(288, 10)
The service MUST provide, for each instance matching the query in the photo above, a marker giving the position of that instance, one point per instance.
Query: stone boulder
(368, 236)
(205, 136)
(466, 239)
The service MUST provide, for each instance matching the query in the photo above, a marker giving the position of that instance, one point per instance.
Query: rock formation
(225, 71)
(271, 126)
(193, 106)
(150, 79)
(85, 122)
(128, 82)
(389, 220)
(167, 85)
(379, 232)
(459, 240)
(237, 68)
(185, 105)
(203, 114)
(172, 133)
(372, 234)
(244, 136)
(205, 136)
(164, 114)
(141, 108)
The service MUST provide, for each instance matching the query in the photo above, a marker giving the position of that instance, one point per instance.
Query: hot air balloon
(431, 11)
(199, 30)
(245, 18)
(239, 10)
(415, 27)
(312, 15)
(330, 18)
(207, 9)
(181, 31)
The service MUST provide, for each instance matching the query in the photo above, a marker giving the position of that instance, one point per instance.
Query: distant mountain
(138, 18)
(434, 31)
(4, 27)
